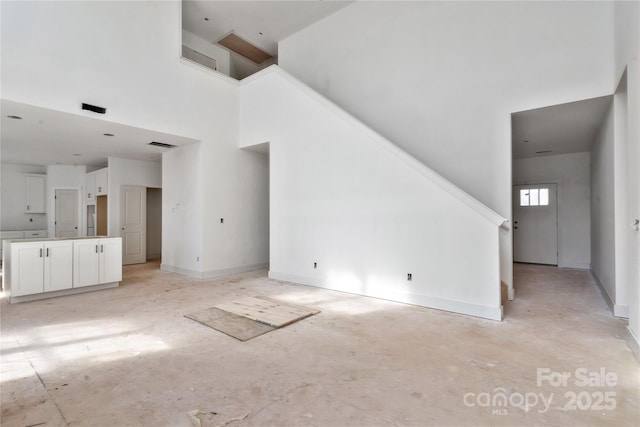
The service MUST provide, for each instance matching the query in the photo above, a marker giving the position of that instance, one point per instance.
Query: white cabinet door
(27, 269)
(90, 187)
(101, 181)
(86, 262)
(35, 202)
(58, 266)
(110, 260)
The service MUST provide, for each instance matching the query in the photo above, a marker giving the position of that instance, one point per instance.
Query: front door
(133, 222)
(66, 213)
(535, 224)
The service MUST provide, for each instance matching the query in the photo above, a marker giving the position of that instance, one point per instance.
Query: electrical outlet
(409, 277)
(221, 220)
(315, 265)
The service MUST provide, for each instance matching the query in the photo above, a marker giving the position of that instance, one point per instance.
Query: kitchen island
(44, 268)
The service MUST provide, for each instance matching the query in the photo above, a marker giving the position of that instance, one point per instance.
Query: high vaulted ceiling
(263, 23)
(558, 129)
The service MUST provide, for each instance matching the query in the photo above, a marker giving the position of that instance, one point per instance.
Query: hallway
(127, 356)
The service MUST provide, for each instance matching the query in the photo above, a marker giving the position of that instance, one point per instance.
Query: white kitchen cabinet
(96, 184)
(90, 187)
(58, 265)
(97, 261)
(102, 177)
(27, 268)
(35, 193)
(38, 267)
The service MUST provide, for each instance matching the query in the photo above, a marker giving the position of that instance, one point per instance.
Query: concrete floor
(128, 357)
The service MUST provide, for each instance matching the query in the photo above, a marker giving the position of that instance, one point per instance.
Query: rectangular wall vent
(94, 108)
(161, 144)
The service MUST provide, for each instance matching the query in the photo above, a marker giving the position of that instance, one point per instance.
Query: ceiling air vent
(161, 144)
(94, 108)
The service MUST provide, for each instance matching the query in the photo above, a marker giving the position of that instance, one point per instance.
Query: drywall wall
(137, 75)
(65, 177)
(128, 172)
(154, 223)
(12, 213)
(222, 56)
(352, 212)
(602, 207)
(182, 214)
(571, 173)
(440, 79)
(627, 150)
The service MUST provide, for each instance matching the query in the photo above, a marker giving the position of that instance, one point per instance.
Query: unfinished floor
(128, 357)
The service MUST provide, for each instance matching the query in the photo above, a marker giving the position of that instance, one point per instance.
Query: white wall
(627, 48)
(603, 207)
(65, 177)
(127, 60)
(154, 223)
(571, 173)
(364, 211)
(128, 172)
(440, 79)
(222, 56)
(182, 214)
(13, 190)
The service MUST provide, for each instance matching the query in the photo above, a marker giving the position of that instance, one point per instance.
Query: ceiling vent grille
(161, 144)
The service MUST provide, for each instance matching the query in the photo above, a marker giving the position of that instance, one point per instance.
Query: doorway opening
(535, 224)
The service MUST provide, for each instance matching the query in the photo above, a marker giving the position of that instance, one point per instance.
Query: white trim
(617, 310)
(621, 311)
(72, 291)
(180, 270)
(390, 147)
(634, 343)
(234, 270)
(213, 273)
(491, 313)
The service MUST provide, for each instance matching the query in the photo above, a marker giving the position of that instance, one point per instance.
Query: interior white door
(67, 222)
(535, 224)
(133, 220)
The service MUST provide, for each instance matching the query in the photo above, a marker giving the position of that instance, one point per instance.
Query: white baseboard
(213, 273)
(234, 270)
(491, 313)
(634, 343)
(576, 265)
(621, 311)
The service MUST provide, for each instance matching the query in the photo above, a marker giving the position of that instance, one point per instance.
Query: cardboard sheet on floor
(250, 317)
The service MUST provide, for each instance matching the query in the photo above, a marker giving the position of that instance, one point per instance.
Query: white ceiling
(561, 129)
(45, 137)
(276, 20)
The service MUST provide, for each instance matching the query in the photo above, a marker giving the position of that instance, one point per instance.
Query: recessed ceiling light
(206, 19)
(261, 33)
(15, 117)
(107, 134)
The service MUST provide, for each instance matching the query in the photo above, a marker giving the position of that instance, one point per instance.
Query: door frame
(51, 211)
(122, 208)
(558, 225)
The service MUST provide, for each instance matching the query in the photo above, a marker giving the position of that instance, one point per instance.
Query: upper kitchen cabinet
(102, 176)
(96, 184)
(35, 193)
